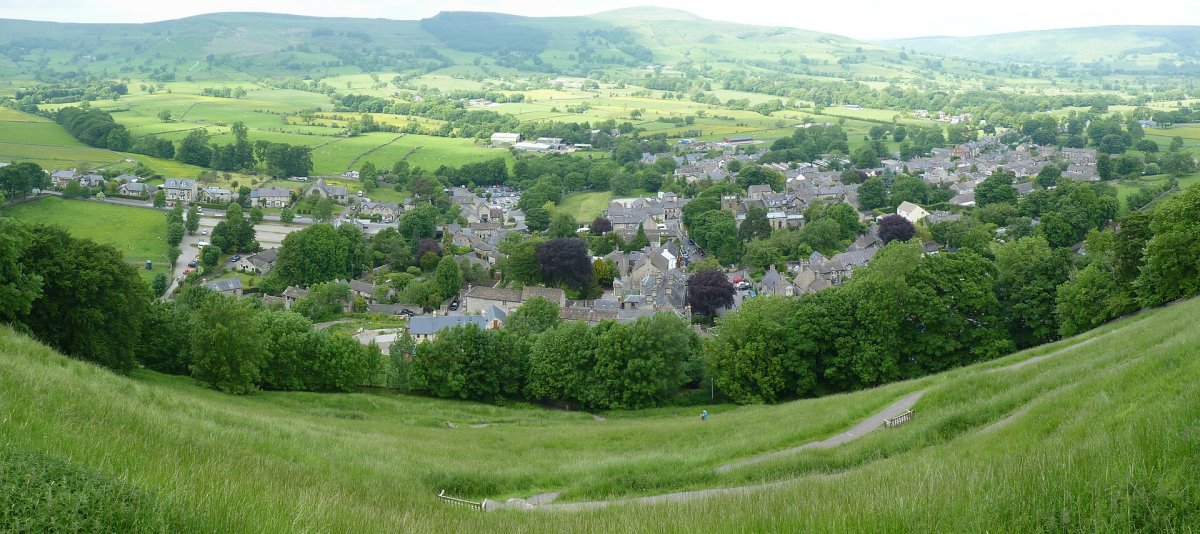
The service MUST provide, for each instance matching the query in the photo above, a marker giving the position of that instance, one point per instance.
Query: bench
(461, 502)
(898, 420)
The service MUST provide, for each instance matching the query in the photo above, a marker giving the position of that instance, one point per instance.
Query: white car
(204, 231)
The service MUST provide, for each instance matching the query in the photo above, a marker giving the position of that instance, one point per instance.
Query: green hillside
(1096, 433)
(247, 46)
(1167, 49)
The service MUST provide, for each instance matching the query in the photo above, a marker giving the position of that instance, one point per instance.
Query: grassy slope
(1104, 439)
(137, 233)
(1081, 45)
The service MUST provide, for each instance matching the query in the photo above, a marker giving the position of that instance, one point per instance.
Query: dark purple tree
(601, 226)
(895, 228)
(565, 261)
(708, 291)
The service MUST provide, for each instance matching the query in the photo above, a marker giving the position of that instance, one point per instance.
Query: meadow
(1093, 433)
(585, 206)
(137, 233)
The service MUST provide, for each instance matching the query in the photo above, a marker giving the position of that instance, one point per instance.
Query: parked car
(204, 231)
(454, 304)
(407, 312)
(192, 264)
(235, 258)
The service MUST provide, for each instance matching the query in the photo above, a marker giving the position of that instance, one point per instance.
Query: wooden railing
(461, 502)
(898, 420)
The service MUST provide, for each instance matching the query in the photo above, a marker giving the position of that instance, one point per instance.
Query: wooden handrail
(462, 502)
(898, 420)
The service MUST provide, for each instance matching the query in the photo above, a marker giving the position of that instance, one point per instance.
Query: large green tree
(226, 352)
(92, 302)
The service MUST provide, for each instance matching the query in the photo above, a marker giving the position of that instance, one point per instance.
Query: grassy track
(137, 233)
(1104, 439)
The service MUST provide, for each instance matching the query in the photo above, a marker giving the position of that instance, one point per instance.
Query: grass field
(1100, 435)
(137, 233)
(1129, 187)
(585, 206)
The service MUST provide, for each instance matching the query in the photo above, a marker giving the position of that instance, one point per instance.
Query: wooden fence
(898, 420)
(460, 502)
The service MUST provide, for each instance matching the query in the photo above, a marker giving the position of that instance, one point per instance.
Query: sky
(866, 20)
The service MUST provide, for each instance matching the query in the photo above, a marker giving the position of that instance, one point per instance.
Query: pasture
(137, 233)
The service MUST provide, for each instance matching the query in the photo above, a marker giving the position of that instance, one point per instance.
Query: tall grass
(1105, 438)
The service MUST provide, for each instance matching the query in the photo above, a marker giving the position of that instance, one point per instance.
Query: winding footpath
(545, 501)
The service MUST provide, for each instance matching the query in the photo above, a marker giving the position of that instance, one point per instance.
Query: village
(647, 281)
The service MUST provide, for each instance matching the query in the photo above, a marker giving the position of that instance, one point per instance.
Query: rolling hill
(1166, 49)
(252, 45)
(1095, 433)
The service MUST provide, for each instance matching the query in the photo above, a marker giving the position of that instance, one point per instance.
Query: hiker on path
(704, 415)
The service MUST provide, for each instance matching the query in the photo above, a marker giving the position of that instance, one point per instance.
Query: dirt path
(869, 424)
(545, 501)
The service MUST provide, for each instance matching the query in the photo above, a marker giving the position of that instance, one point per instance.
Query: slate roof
(228, 284)
(426, 325)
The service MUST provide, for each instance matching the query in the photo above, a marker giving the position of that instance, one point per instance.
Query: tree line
(539, 358)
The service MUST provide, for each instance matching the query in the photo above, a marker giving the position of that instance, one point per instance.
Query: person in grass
(704, 415)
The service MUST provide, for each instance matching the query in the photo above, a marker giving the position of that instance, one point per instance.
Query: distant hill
(240, 45)
(1129, 48)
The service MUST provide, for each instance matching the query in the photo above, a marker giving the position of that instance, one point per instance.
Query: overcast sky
(861, 19)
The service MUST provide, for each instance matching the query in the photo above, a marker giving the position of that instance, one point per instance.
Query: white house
(911, 211)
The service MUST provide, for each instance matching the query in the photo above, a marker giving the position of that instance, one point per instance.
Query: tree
(469, 363)
(160, 199)
(1088, 299)
(18, 287)
(709, 291)
(1147, 146)
(996, 189)
(872, 194)
(532, 317)
(1170, 270)
(1104, 166)
(368, 175)
(92, 302)
(537, 219)
(448, 277)
(20, 179)
(324, 301)
(323, 212)
(601, 226)
(73, 190)
(194, 149)
(565, 261)
(174, 234)
(160, 284)
(1176, 144)
(1048, 176)
(1029, 272)
(563, 225)
(256, 215)
(755, 225)
(1177, 163)
(716, 233)
(755, 360)
(310, 256)
(211, 256)
(559, 362)
(164, 115)
(521, 261)
(419, 223)
(225, 353)
(287, 215)
(193, 220)
(908, 189)
(895, 228)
